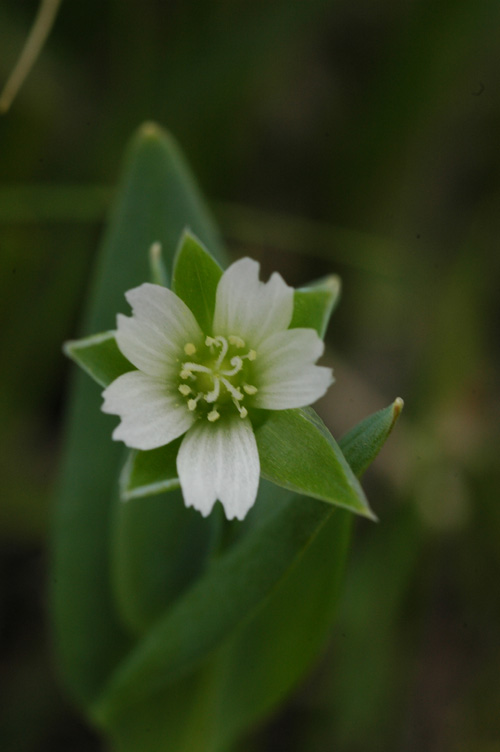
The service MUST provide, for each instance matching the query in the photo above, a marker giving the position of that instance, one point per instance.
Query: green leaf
(99, 356)
(275, 647)
(298, 452)
(232, 587)
(195, 279)
(236, 685)
(294, 636)
(363, 442)
(380, 652)
(159, 548)
(219, 602)
(180, 717)
(150, 473)
(156, 200)
(313, 305)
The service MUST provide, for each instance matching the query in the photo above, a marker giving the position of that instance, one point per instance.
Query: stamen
(212, 396)
(197, 367)
(242, 410)
(236, 341)
(233, 391)
(222, 341)
(193, 402)
(250, 389)
(221, 379)
(238, 365)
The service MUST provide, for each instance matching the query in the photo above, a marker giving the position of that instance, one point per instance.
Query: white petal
(249, 308)
(285, 373)
(155, 335)
(151, 416)
(220, 461)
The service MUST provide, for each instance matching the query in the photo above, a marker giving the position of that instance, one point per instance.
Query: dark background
(353, 137)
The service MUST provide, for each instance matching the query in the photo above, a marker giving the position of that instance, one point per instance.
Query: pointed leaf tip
(363, 442)
(397, 407)
(150, 129)
(334, 282)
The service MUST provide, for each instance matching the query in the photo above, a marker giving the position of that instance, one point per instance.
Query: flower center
(216, 376)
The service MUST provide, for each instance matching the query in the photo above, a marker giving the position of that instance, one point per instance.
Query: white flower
(203, 384)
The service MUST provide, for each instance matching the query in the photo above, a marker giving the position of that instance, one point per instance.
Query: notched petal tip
(252, 309)
(288, 376)
(136, 294)
(120, 433)
(220, 461)
(244, 266)
(153, 336)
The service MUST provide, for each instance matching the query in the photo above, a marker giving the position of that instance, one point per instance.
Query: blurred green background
(353, 137)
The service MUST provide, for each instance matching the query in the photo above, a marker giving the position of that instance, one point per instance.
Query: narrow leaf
(99, 356)
(195, 278)
(298, 452)
(313, 305)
